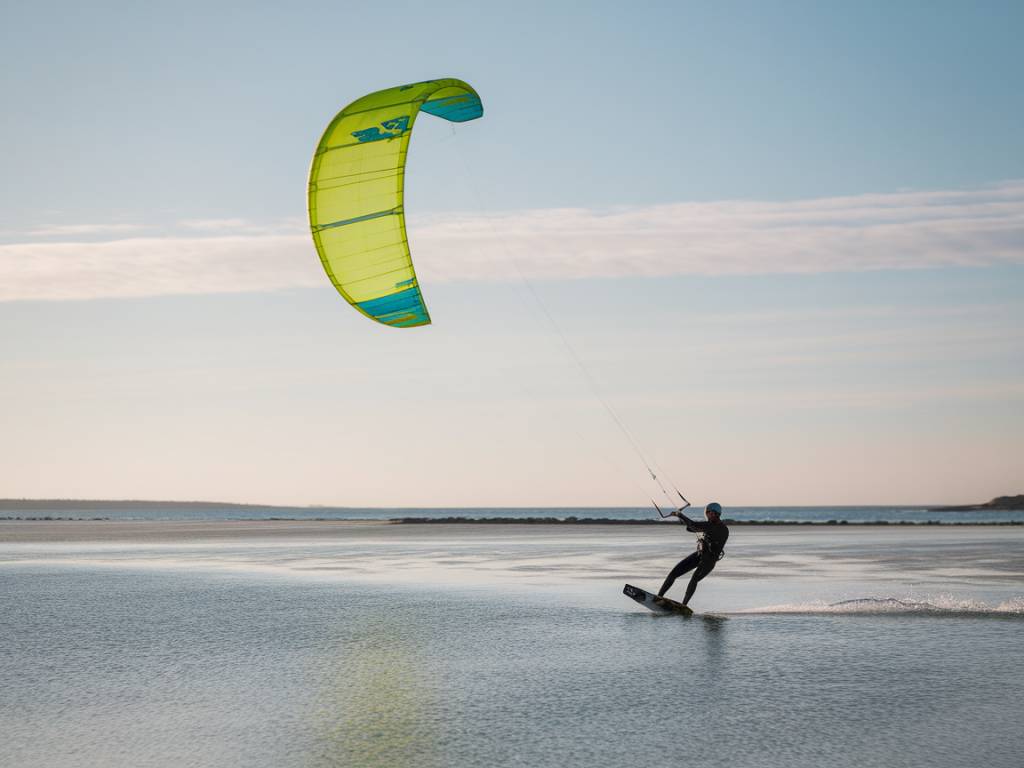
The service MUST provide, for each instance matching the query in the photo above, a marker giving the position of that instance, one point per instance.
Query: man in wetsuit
(711, 538)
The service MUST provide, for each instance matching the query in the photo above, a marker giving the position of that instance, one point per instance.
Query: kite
(356, 186)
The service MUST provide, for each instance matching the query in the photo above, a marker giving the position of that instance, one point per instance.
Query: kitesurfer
(711, 537)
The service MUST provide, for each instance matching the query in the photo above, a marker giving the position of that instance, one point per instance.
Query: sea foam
(941, 605)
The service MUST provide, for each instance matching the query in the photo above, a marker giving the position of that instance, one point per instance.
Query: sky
(775, 251)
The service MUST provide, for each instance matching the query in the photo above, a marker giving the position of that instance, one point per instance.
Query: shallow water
(196, 511)
(470, 647)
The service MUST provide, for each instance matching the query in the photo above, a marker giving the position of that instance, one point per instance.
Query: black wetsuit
(711, 538)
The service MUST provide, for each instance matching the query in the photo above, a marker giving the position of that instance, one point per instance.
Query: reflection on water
(370, 699)
(713, 624)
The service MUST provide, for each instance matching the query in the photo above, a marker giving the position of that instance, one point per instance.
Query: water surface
(481, 646)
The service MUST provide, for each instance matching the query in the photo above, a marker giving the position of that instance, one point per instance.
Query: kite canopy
(356, 186)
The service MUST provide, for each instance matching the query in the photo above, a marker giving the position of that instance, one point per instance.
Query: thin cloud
(904, 230)
(855, 398)
(897, 231)
(149, 266)
(79, 230)
(216, 225)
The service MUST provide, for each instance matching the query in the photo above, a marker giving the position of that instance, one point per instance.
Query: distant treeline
(999, 503)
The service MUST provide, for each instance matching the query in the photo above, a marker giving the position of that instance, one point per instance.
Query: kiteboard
(655, 603)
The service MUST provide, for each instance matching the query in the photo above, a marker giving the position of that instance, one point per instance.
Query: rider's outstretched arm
(693, 526)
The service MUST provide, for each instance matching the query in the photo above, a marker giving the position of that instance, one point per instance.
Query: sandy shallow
(142, 531)
(864, 558)
(21, 531)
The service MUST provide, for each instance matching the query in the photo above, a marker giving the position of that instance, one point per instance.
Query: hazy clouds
(906, 230)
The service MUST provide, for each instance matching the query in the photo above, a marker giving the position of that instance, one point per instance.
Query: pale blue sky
(787, 240)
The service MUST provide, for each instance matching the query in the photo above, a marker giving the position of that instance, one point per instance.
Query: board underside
(655, 603)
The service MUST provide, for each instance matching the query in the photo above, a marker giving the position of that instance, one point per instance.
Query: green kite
(356, 186)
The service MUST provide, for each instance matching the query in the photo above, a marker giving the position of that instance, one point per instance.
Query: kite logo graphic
(393, 128)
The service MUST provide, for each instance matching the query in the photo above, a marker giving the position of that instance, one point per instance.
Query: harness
(704, 547)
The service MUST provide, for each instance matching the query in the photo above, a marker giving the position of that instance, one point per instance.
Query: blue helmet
(715, 507)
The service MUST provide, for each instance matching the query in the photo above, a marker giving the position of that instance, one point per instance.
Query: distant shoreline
(84, 504)
(507, 521)
(999, 504)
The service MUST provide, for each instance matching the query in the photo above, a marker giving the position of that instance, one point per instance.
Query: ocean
(273, 643)
(129, 510)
